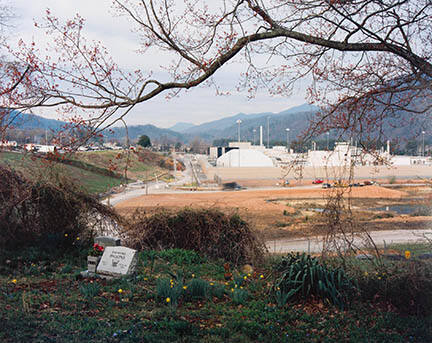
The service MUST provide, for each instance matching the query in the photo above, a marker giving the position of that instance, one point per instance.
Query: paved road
(315, 245)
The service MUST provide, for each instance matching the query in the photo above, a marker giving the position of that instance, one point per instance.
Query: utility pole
(268, 132)
(254, 132)
(423, 146)
(328, 134)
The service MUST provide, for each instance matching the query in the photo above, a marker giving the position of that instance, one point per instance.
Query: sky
(196, 106)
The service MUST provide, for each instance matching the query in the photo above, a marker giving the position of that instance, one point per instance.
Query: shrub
(302, 276)
(206, 231)
(51, 213)
(406, 285)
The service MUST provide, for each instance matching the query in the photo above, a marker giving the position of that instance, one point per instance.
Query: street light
(288, 138)
(268, 132)
(254, 132)
(238, 122)
(423, 148)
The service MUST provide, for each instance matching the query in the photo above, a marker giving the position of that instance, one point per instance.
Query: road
(381, 238)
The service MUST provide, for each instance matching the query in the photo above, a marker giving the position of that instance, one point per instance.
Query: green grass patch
(42, 300)
(93, 181)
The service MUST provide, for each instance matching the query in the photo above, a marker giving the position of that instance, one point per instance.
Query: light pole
(288, 138)
(238, 122)
(423, 147)
(268, 132)
(254, 132)
(328, 134)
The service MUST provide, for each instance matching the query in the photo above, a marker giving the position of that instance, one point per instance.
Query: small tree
(144, 141)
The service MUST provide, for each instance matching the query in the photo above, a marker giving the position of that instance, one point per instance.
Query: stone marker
(107, 241)
(118, 261)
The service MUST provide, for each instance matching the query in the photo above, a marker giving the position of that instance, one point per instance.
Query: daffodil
(184, 287)
(407, 254)
(261, 276)
(120, 291)
(14, 281)
(168, 300)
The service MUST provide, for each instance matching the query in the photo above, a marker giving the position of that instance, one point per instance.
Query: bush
(206, 231)
(407, 286)
(302, 276)
(44, 213)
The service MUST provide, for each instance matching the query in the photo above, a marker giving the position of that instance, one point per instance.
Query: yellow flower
(366, 273)
(184, 287)
(232, 289)
(66, 234)
(235, 286)
(211, 283)
(241, 287)
(379, 277)
(14, 281)
(249, 274)
(168, 300)
(145, 279)
(245, 277)
(193, 275)
(77, 238)
(261, 276)
(407, 254)
(120, 291)
(226, 283)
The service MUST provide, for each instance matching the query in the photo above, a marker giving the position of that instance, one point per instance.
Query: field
(37, 168)
(97, 171)
(142, 164)
(291, 212)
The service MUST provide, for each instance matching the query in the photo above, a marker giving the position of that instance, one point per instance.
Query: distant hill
(181, 127)
(295, 118)
(135, 131)
(26, 121)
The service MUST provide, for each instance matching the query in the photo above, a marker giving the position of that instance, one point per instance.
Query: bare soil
(286, 212)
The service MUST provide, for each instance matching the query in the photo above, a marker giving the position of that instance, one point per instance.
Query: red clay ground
(281, 212)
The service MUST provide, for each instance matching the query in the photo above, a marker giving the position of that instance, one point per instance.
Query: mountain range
(296, 119)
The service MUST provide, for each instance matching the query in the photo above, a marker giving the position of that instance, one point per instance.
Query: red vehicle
(317, 181)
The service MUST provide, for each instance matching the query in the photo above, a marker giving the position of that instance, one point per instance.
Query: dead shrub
(207, 231)
(42, 213)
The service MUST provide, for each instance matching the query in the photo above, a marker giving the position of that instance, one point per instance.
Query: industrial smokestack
(261, 137)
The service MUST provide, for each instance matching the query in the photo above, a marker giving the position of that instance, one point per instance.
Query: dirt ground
(286, 212)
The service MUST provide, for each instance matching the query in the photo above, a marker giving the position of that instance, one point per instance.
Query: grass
(35, 167)
(142, 165)
(42, 300)
(91, 173)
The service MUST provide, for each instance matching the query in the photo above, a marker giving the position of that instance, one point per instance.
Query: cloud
(196, 106)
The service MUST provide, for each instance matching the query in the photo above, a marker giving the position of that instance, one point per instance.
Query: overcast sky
(196, 106)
